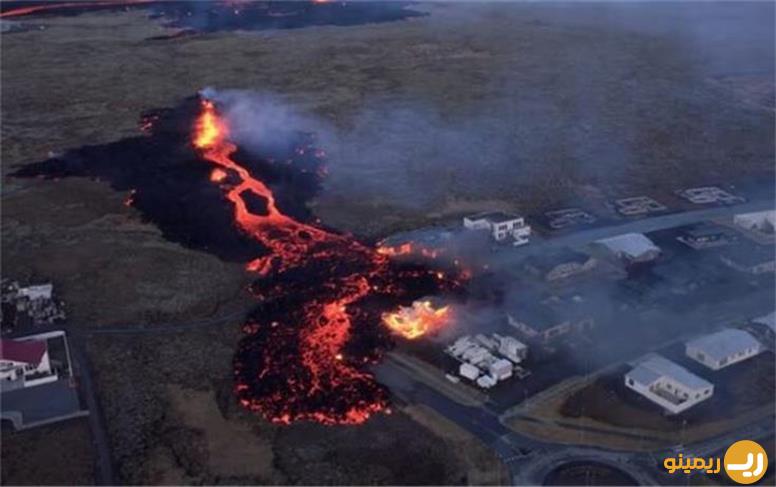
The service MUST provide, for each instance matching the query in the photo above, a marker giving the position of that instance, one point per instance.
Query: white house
(632, 248)
(723, 348)
(667, 384)
(500, 225)
(26, 360)
(768, 322)
(759, 221)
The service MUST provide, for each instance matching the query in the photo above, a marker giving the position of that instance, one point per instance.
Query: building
(750, 258)
(501, 226)
(723, 348)
(631, 248)
(706, 236)
(709, 194)
(560, 265)
(26, 361)
(767, 324)
(468, 371)
(488, 359)
(667, 384)
(40, 291)
(545, 322)
(501, 369)
(759, 221)
(513, 349)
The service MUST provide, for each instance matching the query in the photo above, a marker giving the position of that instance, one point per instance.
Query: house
(560, 265)
(758, 221)
(767, 324)
(631, 248)
(26, 361)
(545, 322)
(706, 236)
(40, 291)
(667, 384)
(501, 226)
(750, 258)
(723, 348)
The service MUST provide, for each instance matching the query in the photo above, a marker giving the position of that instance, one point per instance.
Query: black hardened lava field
(307, 346)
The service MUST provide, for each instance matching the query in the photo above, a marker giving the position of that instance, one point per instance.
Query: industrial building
(667, 384)
(630, 248)
(723, 348)
(501, 226)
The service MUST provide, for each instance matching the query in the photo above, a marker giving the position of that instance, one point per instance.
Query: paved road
(644, 225)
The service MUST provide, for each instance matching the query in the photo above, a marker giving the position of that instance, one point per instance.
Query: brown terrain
(496, 85)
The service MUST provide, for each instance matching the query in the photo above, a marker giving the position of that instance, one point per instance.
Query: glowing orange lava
(417, 320)
(34, 9)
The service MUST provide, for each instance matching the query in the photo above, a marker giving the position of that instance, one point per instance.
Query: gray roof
(724, 343)
(630, 244)
(768, 320)
(655, 366)
(494, 216)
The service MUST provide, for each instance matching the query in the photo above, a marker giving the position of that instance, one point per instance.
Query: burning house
(501, 226)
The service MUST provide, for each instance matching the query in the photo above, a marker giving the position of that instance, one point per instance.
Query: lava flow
(322, 295)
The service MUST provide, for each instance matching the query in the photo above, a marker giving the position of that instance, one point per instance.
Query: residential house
(723, 348)
(667, 384)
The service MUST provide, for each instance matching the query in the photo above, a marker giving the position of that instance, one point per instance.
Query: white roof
(653, 367)
(768, 320)
(760, 216)
(469, 371)
(630, 244)
(724, 343)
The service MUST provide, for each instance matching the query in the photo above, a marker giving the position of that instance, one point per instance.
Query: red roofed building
(25, 359)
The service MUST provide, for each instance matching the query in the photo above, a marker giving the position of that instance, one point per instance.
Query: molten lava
(306, 348)
(417, 320)
(36, 9)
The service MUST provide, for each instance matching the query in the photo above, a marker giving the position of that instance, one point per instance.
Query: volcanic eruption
(321, 295)
(307, 347)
